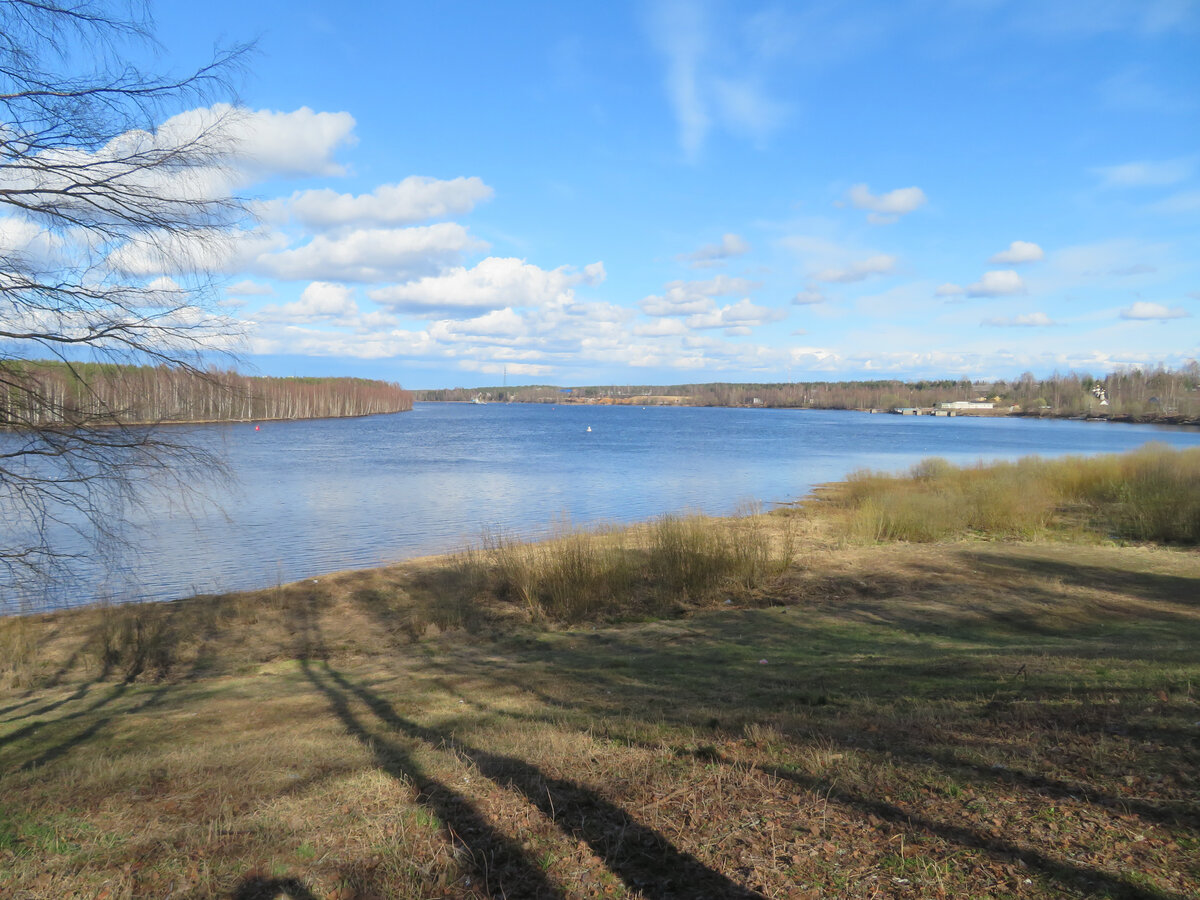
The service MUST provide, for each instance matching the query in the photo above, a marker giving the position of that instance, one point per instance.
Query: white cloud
(320, 301)
(1019, 252)
(1147, 173)
(810, 296)
(375, 254)
(710, 79)
(415, 199)
(493, 284)
(531, 370)
(886, 208)
(997, 283)
(498, 323)
(740, 315)
(710, 254)
(679, 31)
(248, 288)
(685, 298)
(1029, 320)
(204, 250)
(661, 327)
(22, 243)
(1143, 310)
(949, 289)
(879, 264)
(251, 145)
(270, 144)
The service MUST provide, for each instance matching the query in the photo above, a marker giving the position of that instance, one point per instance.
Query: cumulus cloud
(879, 264)
(23, 241)
(663, 327)
(249, 145)
(997, 283)
(1147, 173)
(711, 254)
(320, 301)
(372, 254)
(1143, 311)
(497, 323)
(493, 284)
(1029, 320)
(886, 208)
(415, 199)
(270, 143)
(1019, 252)
(686, 298)
(204, 250)
(741, 316)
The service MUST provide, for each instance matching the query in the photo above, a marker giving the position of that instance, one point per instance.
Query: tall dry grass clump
(1151, 494)
(570, 577)
(581, 574)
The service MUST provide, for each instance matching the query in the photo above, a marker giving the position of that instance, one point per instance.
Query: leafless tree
(101, 163)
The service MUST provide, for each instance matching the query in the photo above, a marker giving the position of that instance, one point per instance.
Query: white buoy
(589, 428)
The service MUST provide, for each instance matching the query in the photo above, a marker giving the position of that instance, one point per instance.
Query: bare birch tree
(100, 163)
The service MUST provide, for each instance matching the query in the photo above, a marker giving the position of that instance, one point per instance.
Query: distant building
(967, 404)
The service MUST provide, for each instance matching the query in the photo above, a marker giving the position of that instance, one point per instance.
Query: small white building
(967, 404)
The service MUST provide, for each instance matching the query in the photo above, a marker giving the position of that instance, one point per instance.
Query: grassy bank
(776, 705)
(1152, 494)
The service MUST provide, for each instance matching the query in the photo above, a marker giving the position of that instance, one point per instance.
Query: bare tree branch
(100, 162)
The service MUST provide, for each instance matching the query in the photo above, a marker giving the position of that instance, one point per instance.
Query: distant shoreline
(671, 401)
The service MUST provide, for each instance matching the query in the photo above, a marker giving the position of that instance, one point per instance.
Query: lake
(315, 497)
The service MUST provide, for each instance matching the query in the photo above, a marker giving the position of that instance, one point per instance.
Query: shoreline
(683, 402)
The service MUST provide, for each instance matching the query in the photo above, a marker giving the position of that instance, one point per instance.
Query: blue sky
(664, 192)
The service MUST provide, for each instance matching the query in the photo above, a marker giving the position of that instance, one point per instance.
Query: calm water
(315, 497)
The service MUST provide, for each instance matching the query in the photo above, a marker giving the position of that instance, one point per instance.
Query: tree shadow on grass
(26, 730)
(641, 857)
(589, 696)
(1066, 873)
(256, 887)
(65, 746)
(78, 694)
(1174, 590)
(497, 859)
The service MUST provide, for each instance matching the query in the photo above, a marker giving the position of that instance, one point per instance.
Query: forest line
(43, 393)
(1156, 394)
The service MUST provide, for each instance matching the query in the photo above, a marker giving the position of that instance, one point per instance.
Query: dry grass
(1152, 494)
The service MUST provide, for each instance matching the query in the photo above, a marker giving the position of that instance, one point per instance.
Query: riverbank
(820, 713)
